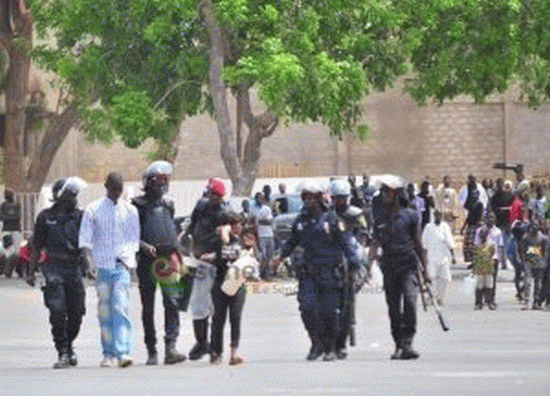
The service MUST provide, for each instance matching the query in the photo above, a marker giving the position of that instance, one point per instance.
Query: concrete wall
(456, 138)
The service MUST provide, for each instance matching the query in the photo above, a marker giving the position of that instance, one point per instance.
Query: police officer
(322, 236)
(158, 238)
(356, 225)
(56, 231)
(397, 233)
(208, 214)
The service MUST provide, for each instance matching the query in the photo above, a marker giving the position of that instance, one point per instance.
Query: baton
(431, 296)
(437, 309)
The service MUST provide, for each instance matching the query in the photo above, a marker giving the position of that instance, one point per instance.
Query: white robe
(438, 241)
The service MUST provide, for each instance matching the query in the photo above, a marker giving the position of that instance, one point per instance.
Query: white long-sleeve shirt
(111, 231)
(438, 240)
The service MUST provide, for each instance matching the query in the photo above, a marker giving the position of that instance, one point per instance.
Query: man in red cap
(207, 215)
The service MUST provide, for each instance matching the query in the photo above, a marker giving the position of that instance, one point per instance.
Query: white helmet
(73, 184)
(339, 187)
(392, 181)
(158, 168)
(311, 187)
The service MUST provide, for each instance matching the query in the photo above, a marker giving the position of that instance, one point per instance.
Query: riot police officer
(158, 239)
(397, 233)
(322, 236)
(56, 231)
(356, 225)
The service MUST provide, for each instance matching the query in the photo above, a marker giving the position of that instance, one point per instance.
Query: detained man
(438, 241)
(109, 235)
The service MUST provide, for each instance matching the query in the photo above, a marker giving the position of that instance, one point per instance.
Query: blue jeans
(113, 292)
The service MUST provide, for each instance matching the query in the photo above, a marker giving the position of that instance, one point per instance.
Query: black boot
(315, 351)
(73, 361)
(489, 298)
(201, 348)
(479, 299)
(171, 355)
(63, 361)
(152, 357)
(397, 354)
(341, 353)
(409, 353)
(330, 351)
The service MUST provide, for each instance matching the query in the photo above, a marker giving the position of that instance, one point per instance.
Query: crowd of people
(341, 231)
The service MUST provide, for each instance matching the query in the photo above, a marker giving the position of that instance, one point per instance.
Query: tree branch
(49, 146)
(20, 15)
(172, 88)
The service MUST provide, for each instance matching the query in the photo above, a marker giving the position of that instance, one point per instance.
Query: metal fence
(29, 207)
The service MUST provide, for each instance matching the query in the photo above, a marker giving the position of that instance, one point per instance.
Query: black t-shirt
(57, 231)
(204, 221)
(501, 199)
(475, 214)
(396, 233)
(10, 214)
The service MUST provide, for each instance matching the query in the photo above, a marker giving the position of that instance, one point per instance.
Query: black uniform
(323, 239)
(159, 230)
(355, 222)
(399, 263)
(56, 231)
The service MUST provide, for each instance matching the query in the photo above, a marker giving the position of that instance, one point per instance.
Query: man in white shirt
(109, 235)
(266, 242)
(438, 241)
(446, 201)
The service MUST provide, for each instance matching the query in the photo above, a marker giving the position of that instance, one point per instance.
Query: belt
(63, 256)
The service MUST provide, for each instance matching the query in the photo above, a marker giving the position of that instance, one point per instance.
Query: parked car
(282, 223)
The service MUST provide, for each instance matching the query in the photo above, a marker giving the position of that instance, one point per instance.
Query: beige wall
(456, 139)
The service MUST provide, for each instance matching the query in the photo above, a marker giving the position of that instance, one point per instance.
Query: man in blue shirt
(323, 237)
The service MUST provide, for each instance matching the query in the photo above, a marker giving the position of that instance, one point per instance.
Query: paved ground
(503, 352)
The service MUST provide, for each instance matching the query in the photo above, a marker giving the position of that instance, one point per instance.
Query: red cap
(216, 186)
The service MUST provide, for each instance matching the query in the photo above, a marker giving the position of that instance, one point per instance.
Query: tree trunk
(168, 151)
(243, 172)
(18, 43)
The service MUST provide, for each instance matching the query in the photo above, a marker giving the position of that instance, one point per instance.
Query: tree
(26, 170)
(157, 62)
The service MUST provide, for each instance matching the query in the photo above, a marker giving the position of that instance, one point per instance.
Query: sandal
(236, 360)
(215, 358)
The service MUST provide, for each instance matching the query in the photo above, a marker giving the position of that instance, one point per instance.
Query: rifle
(351, 312)
(349, 303)
(425, 287)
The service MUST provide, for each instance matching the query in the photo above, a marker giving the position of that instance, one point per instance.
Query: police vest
(157, 222)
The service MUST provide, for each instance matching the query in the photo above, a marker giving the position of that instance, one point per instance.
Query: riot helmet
(64, 191)
(56, 188)
(340, 190)
(156, 178)
(312, 195)
(340, 187)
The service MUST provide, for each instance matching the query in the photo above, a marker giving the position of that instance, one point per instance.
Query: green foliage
(139, 56)
(309, 60)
